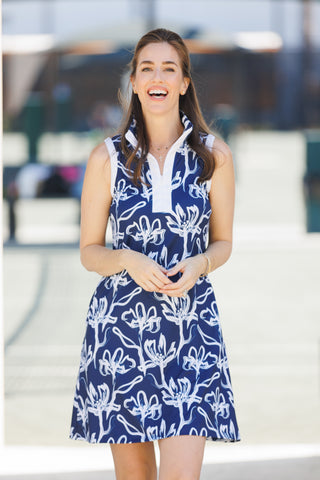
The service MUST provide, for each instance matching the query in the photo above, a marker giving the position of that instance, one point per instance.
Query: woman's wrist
(207, 265)
(124, 255)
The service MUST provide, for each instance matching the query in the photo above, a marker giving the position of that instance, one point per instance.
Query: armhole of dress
(209, 144)
(113, 162)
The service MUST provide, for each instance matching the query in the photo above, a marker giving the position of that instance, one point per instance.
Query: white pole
(1, 270)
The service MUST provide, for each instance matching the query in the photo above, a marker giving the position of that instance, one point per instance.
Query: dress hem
(208, 438)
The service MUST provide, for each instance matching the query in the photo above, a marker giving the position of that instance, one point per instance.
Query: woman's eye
(169, 69)
(146, 69)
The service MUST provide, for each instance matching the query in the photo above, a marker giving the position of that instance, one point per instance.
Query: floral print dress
(154, 366)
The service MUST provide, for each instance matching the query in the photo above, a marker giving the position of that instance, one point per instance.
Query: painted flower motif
(158, 353)
(142, 319)
(145, 232)
(144, 407)
(179, 393)
(228, 432)
(202, 433)
(155, 433)
(99, 314)
(86, 357)
(210, 315)
(100, 400)
(117, 280)
(82, 412)
(123, 191)
(117, 236)
(198, 360)
(184, 222)
(117, 363)
(146, 188)
(218, 403)
(179, 310)
(197, 190)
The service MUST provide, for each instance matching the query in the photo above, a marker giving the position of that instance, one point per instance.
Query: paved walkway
(269, 307)
(224, 462)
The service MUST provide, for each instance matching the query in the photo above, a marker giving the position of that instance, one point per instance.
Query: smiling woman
(153, 364)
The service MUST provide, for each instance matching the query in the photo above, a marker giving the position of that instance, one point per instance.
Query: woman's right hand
(147, 273)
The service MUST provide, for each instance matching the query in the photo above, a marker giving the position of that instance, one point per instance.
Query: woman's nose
(157, 74)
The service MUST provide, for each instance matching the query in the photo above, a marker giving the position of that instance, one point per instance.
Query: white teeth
(157, 92)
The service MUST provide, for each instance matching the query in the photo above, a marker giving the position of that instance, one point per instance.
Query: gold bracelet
(207, 270)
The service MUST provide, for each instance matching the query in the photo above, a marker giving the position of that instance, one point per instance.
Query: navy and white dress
(154, 366)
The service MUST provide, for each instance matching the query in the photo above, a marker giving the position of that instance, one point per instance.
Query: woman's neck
(163, 130)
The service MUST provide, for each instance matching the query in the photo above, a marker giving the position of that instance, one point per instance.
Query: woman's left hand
(191, 269)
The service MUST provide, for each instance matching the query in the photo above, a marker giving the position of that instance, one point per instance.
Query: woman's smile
(159, 78)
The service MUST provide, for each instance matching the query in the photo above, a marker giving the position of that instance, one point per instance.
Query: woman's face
(159, 81)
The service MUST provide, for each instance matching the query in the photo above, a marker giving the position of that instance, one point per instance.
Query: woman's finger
(176, 269)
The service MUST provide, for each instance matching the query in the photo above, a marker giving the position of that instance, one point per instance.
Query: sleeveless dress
(154, 366)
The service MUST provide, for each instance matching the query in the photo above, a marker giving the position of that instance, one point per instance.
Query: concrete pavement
(225, 462)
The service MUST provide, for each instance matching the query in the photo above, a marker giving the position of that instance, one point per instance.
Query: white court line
(33, 460)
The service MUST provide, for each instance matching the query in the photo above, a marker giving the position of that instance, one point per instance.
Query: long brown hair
(188, 103)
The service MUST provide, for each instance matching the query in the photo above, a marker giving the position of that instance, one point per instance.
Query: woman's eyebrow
(166, 62)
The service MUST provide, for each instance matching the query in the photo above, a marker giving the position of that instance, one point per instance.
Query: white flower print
(145, 232)
(99, 402)
(117, 235)
(198, 360)
(155, 433)
(123, 191)
(147, 189)
(181, 312)
(179, 393)
(228, 432)
(86, 357)
(203, 432)
(210, 317)
(185, 223)
(197, 190)
(99, 314)
(142, 319)
(144, 407)
(116, 363)
(159, 355)
(82, 412)
(217, 403)
(117, 280)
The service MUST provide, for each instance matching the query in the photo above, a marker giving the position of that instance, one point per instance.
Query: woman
(153, 364)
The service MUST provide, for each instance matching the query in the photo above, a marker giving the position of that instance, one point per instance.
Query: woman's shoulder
(99, 158)
(221, 152)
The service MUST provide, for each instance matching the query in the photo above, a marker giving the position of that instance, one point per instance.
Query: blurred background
(256, 66)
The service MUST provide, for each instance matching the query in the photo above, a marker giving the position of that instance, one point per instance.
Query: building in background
(257, 61)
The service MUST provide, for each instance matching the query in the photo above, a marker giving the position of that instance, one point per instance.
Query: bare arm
(222, 197)
(95, 205)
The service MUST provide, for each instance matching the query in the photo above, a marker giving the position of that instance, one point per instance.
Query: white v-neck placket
(162, 183)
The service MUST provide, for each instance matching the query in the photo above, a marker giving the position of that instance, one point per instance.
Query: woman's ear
(132, 84)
